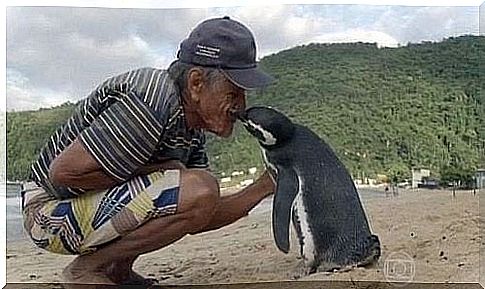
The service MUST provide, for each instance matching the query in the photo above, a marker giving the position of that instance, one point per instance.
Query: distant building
(480, 178)
(246, 182)
(237, 173)
(417, 177)
(226, 180)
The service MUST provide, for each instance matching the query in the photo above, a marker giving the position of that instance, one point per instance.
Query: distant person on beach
(127, 174)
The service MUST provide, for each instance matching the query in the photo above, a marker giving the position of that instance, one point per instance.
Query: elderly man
(126, 175)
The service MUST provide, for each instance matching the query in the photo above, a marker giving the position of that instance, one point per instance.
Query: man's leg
(228, 210)
(200, 209)
(198, 197)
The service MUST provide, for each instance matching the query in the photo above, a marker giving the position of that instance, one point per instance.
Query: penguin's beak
(242, 116)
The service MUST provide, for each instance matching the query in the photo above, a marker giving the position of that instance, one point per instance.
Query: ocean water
(14, 213)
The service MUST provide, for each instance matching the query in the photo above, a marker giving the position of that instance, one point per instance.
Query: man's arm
(75, 167)
(233, 207)
(167, 165)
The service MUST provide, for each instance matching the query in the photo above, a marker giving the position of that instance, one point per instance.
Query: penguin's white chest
(302, 220)
(269, 165)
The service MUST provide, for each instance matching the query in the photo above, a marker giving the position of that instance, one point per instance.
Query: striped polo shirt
(128, 121)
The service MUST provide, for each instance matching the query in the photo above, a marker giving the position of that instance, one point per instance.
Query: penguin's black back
(336, 217)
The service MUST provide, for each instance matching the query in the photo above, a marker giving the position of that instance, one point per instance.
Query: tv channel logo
(399, 269)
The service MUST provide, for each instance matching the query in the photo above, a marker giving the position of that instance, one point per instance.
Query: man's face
(219, 103)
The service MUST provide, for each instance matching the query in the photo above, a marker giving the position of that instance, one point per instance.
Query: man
(126, 175)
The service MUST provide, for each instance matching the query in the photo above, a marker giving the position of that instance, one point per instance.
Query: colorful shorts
(81, 225)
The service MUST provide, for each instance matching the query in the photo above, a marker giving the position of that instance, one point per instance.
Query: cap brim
(250, 78)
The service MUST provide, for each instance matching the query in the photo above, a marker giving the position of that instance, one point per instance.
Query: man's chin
(223, 134)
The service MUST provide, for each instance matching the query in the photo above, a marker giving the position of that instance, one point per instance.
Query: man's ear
(195, 82)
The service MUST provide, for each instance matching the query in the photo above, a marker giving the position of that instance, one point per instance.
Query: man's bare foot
(137, 279)
(80, 272)
(121, 272)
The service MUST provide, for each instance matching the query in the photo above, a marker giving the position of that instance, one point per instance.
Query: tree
(397, 173)
(414, 106)
(456, 176)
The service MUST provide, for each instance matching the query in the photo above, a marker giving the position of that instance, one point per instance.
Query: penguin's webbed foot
(302, 270)
(331, 268)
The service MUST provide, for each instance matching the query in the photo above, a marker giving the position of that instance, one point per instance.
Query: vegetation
(383, 110)
(457, 176)
(27, 132)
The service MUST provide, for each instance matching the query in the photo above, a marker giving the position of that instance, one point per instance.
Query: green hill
(383, 110)
(27, 132)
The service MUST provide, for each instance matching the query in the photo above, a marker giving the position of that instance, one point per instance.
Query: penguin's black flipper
(286, 191)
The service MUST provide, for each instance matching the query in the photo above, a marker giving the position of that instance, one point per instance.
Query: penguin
(315, 192)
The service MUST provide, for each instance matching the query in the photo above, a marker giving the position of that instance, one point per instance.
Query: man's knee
(199, 194)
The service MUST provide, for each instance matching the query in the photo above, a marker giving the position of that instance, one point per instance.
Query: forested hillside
(27, 132)
(383, 110)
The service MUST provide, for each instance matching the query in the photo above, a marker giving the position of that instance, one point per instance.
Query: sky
(59, 54)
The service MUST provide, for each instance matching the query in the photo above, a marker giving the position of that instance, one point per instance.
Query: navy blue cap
(228, 45)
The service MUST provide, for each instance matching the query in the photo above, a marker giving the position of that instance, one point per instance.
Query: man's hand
(266, 183)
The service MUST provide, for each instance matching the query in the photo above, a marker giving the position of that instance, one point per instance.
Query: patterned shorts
(80, 225)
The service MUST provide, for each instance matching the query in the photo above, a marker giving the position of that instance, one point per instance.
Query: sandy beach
(426, 236)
